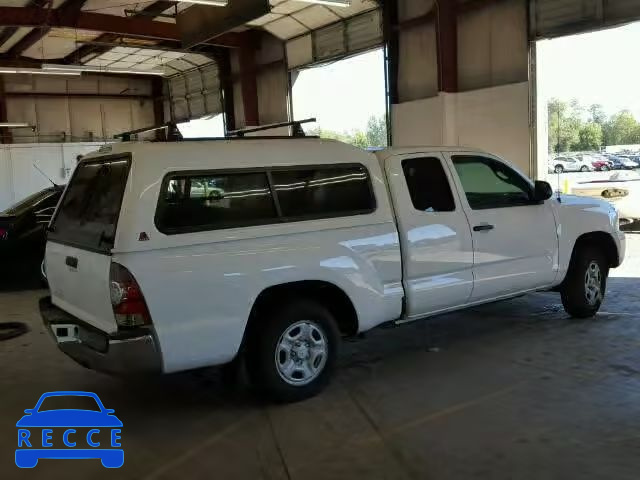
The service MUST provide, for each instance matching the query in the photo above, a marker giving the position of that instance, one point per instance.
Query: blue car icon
(35, 433)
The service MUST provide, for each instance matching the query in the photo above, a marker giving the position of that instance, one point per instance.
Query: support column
(447, 45)
(223, 60)
(158, 107)
(249, 83)
(392, 41)
(5, 133)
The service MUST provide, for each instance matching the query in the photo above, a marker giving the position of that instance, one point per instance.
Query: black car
(23, 231)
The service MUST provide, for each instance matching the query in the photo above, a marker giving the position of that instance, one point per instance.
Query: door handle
(72, 262)
(483, 228)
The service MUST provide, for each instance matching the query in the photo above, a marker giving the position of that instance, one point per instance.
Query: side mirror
(542, 192)
(109, 411)
(29, 411)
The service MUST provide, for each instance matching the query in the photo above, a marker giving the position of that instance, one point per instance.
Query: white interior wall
(491, 112)
(492, 46)
(493, 119)
(58, 118)
(418, 59)
(19, 178)
(272, 81)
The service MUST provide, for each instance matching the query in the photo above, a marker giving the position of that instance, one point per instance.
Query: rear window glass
(27, 203)
(323, 192)
(428, 185)
(88, 214)
(214, 201)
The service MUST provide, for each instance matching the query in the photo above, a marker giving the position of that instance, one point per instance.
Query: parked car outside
(569, 164)
(311, 240)
(622, 190)
(601, 165)
(630, 162)
(617, 163)
(23, 230)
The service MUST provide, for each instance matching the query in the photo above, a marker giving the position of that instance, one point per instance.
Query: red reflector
(131, 307)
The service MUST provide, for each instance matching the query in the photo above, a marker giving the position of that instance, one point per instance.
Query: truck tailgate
(79, 282)
(81, 237)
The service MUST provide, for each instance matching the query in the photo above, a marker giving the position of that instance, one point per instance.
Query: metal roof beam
(70, 8)
(150, 10)
(138, 27)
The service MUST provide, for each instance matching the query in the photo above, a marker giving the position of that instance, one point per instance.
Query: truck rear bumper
(129, 353)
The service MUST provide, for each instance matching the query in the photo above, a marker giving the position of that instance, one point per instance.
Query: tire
(584, 169)
(281, 360)
(604, 168)
(559, 169)
(583, 290)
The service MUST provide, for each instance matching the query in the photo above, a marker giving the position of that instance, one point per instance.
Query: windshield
(27, 203)
(90, 207)
(69, 402)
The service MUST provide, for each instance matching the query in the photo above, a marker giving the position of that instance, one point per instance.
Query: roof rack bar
(173, 134)
(256, 137)
(296, 124)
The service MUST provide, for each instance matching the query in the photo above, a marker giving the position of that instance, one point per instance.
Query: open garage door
(552, 18)
(340, 39)
(193, 94)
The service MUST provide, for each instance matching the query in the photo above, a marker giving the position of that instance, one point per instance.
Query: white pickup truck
(164, 257)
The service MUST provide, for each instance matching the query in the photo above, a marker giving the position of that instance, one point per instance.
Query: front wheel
(559, 169)
(293, 352)
(584, 169)
(604, 168)
(584, 288)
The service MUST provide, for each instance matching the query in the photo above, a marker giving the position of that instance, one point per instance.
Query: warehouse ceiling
(140, 36)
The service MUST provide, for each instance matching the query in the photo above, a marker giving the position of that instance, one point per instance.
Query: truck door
(514, 237)
(434, 234)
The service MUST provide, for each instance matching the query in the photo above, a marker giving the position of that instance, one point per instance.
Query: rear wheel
(604, 168)
(584, 169)
(559, 169)
(292, 353)
(584, 288)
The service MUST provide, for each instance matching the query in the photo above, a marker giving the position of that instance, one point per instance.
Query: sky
(600, 67)
(342, 96)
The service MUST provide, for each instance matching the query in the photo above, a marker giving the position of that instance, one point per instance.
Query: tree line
(575, 128)
(375, 135)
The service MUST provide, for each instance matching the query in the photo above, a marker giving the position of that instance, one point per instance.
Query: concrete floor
(506, 391)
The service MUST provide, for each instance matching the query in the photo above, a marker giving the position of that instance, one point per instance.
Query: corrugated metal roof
(291, 18)
(288, 19)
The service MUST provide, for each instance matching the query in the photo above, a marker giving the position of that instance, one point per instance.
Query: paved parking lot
(507, 391)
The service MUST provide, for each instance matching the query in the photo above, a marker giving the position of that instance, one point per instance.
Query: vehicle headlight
(615, 193)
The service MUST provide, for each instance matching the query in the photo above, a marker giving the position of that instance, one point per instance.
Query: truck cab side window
(428, 185)
(489, 183)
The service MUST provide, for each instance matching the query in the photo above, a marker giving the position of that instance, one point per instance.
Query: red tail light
(129, 306)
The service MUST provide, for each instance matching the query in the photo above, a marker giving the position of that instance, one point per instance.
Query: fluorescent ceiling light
(14, 125)
(333, 3)
(34, 71)
(213, 3)
(50, 67)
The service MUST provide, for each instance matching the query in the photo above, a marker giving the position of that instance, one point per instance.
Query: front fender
(578, 216)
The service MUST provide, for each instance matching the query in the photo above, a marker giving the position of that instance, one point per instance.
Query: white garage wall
(492, 46)
(19, 178)
(83, 116)
(493, 119)
(272, 81)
